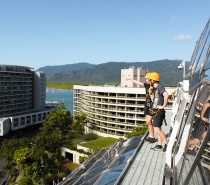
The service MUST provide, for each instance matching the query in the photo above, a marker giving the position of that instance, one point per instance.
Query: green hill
(49, 70)
(111, 72)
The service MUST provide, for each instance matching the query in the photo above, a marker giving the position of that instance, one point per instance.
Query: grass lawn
(95, 145)
(72, 165)
(100, 143)
(72, 144)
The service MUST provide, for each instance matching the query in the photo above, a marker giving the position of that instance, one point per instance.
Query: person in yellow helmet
(159, 103)
(147, 105)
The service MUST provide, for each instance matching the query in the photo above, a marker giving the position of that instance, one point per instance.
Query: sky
(40, 33)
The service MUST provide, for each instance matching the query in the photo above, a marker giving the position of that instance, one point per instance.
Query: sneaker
(164, 148)
(191, 152)
(158, 147)
(150, 140)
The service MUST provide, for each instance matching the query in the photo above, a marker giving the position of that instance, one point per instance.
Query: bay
(61, 95)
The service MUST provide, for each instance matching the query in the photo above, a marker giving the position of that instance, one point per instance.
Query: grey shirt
(159, 98)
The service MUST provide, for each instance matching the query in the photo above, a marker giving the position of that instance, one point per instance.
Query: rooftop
(134, 161)
(129, 162)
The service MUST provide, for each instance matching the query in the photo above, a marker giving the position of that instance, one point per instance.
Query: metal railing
(186, 108)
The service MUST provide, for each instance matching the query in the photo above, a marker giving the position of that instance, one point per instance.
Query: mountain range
(110, 72)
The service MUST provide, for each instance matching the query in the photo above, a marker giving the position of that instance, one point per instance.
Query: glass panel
(84, 181)
(129, 152)
(199, 56)
(109, 178)
(119, 167)
(97, 167)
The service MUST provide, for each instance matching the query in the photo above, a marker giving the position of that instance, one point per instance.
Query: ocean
(61, 95)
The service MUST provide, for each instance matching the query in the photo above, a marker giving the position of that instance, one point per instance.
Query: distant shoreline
(57, 88)
(62, 85)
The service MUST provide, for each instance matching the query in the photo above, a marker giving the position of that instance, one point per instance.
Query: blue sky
(56, 32)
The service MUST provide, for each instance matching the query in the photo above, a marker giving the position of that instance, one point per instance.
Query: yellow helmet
(155, 76)
(148, 75)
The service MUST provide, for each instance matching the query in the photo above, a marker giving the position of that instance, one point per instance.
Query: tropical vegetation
(137, 131)
(31, 160)
(35, 160)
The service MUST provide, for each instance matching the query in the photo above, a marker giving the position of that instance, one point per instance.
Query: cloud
(176, 18)
(182, 37)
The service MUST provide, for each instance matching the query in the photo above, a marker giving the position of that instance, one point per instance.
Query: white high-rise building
(134, 73)
(22, 98)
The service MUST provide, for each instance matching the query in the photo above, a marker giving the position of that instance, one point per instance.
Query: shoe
(158, 147)
(150, 140)
(191, 152)
(164, 148)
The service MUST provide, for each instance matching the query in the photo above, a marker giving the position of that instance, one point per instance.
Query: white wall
(39, 90)
(136, 74)
(76, 154)
(4, 126)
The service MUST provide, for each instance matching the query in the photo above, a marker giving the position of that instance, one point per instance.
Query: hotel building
(22, 98)
(113, 111)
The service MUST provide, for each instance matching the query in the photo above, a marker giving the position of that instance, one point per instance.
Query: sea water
(61, 95)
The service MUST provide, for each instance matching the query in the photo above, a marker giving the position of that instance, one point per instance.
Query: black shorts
(198, 128)
(147, 111)
(158, 119)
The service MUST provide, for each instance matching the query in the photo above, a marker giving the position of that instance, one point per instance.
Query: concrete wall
(5, 124)
(84, 148)
(76, 154)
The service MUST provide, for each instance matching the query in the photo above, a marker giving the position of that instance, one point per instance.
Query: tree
(50, 141)
(90, 136)
(9, 146)
(54, 129)
(25, 181)
(79, 121)
(82, 159)
(23, 158)
(137, 131)
(38, 157)
(8, 149)
(59, 118)
(46, 148)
